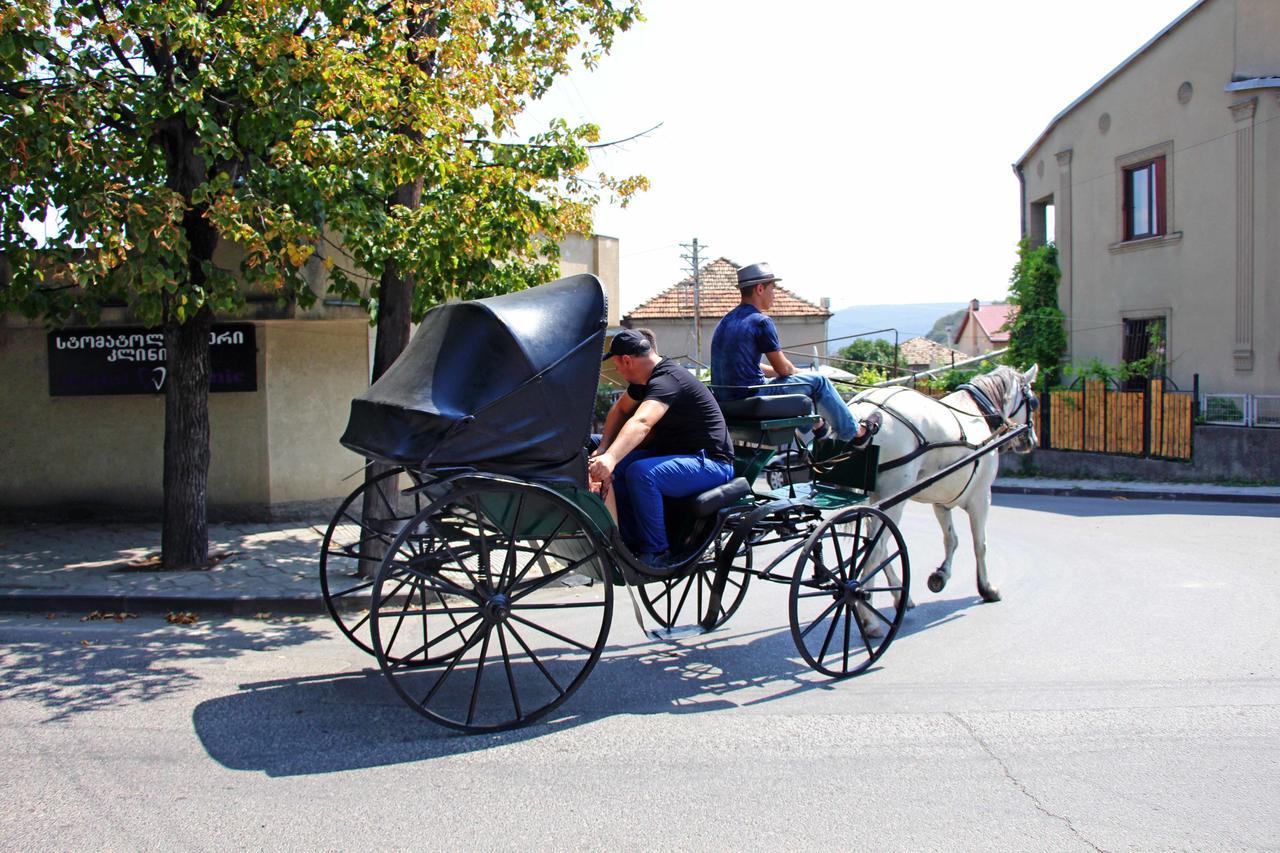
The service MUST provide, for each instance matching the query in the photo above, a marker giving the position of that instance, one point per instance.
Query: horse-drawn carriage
(480, 569)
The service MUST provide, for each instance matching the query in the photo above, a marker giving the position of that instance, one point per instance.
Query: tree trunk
(395, 310)
(185, 537)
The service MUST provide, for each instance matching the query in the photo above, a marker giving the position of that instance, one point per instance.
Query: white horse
(919, 436)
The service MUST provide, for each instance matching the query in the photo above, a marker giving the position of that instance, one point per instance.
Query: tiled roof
(991, 319)
(932, 353)
(718, 296)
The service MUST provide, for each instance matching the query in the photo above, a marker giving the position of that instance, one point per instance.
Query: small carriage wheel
(689, 595)
(849, 591)
(511, 629)
(352, 551)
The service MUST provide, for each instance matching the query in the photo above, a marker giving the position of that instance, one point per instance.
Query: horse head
(1012, 391)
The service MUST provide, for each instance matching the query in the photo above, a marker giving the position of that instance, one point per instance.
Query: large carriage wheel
(353, 549)
(849, 591)
(509, 630)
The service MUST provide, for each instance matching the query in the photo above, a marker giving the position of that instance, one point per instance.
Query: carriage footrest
(713, 500)
(821, 495)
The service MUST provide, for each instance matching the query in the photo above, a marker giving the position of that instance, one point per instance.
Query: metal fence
(1251, 410)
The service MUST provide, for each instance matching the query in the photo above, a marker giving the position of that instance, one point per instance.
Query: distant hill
(911, 320)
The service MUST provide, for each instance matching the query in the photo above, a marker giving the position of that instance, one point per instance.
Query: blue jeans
(642, 479)
(819, 389)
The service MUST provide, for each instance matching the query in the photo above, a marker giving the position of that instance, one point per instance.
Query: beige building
(802, 326)
(984, 328)
(1164, 185)
(274, 449)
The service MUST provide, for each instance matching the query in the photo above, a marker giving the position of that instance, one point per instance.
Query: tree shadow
(91, 666)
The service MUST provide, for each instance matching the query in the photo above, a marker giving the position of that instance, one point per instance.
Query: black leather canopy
(504, 384)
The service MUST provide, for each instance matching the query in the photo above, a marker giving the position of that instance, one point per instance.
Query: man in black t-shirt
(665, 437)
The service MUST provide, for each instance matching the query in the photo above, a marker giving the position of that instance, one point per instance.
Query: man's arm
(779, 365)
(618, 414)
(633, 432)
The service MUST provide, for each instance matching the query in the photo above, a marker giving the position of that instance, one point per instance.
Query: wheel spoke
(558, 606)
(446, 635)
(885, 619)
(835, 620)
(511, 677)
(866, 641)
(542, 549)
(355, 588)
(550, 633)
(534, 658)
(449, 669)
(832, 606)
(475, 689)
(879, 568)
(509, 564)
(431, 612)
(460, 563)
(848, 617)
(534, 585)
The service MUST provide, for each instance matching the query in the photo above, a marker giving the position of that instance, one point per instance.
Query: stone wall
(1218, 453)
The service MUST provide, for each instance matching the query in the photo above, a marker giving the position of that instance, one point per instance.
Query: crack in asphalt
(1021, 787)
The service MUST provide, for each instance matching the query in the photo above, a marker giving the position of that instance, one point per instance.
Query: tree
(158, 131)
(1037, 334)
(869, 351)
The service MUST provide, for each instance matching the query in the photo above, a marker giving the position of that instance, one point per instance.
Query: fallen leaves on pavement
(182, 617)
(99, 615)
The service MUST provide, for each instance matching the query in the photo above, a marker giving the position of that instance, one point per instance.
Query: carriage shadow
(352, 720)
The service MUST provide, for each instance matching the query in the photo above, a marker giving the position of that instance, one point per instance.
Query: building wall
(798, 334)
(972, 340)
(1214, 278)
(597, 255)
(268, 448)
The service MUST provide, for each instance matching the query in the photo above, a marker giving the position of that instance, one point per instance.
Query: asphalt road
(1124, 695)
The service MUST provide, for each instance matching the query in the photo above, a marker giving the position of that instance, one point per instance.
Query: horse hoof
(937, 581)
(989, 594)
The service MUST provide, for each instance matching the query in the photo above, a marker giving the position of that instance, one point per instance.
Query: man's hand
(600, 468)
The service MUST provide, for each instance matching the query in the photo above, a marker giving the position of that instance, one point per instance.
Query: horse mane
(997, 385)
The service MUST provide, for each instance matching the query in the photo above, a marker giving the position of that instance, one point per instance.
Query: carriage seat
(712, 500)
(774, 407)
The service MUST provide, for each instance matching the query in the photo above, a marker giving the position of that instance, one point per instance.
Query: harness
(992, 416)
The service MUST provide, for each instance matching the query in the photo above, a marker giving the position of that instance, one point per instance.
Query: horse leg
(942, 574)
(977, 512)
(870, 625)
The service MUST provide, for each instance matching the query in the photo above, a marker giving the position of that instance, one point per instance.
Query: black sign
(132, 360)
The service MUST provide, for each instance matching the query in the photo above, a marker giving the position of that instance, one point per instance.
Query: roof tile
(718, 296)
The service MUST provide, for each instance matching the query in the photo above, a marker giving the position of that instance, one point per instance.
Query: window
(1143, 351)
(1144, 207)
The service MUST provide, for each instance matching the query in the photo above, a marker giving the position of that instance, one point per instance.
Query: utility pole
(694, 258)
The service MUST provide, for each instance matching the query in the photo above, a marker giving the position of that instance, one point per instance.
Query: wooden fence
(1155, 422)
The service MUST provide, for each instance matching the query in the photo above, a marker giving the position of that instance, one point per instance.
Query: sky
(863, 149)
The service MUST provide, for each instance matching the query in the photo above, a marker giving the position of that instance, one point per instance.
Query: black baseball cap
(627, 342)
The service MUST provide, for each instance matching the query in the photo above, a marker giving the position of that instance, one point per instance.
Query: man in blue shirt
(745, 334)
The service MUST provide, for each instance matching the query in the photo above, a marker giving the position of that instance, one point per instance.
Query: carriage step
(664, 634)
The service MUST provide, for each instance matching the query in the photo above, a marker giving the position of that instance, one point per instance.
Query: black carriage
(481, 571)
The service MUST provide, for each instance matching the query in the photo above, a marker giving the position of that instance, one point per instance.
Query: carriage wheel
(689, 596)
(352, 551)
(510, 631)
(849, 591)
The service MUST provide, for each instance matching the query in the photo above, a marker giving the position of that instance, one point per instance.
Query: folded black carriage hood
(505, 384)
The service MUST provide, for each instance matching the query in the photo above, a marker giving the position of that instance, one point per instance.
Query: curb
(1137, 494)
(44, 602)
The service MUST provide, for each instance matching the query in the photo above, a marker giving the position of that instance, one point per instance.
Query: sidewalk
(273, 568)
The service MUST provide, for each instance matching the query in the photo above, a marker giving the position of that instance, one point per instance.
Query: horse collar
(992, 415)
